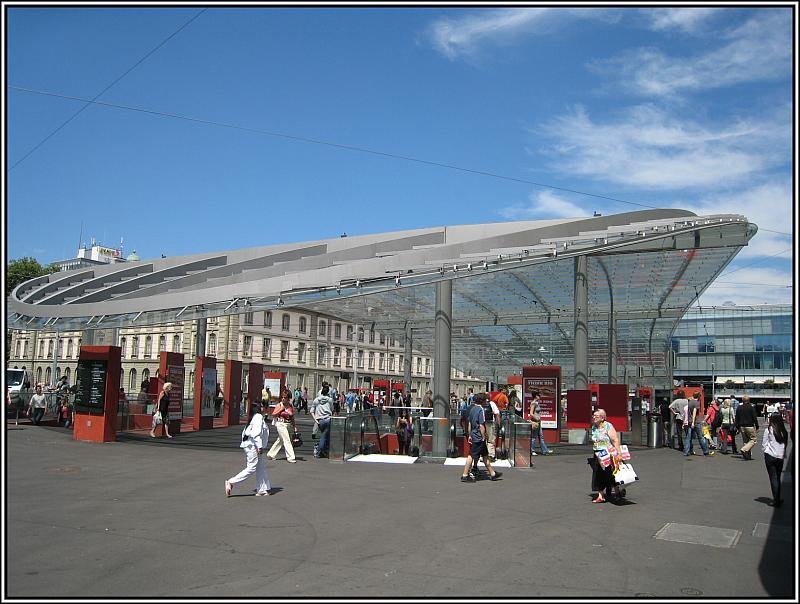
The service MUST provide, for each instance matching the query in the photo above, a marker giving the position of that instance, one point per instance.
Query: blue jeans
(38, 414)
(324, 431)
(698, 430)
(538, 434)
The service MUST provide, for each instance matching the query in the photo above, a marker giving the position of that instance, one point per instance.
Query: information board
(548, 391)
(209, 392)
(90, 381)
(176, 375)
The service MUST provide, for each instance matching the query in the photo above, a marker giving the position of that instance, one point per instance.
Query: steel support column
(200, 338)
(581, 303)
(407, 356)
(441, 364)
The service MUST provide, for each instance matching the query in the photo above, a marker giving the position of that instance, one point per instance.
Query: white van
(17, 380)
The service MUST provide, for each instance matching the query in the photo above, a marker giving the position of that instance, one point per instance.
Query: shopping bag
(625, 474)
(603, 457)
(624, 454)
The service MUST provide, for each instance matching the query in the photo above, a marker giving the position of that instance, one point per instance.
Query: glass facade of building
(745, 349)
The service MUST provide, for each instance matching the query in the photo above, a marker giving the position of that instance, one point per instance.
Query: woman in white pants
(254, 440)
(283, 418)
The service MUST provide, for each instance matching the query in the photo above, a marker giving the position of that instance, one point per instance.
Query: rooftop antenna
(80, 237)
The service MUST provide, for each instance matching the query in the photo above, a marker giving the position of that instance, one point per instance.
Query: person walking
(727, 428)
(254, 438)
(37, 405)
(477, 441)
(535, 417)
(283, 420)
(747, 424)
(713, 420)
(605, 439)
(678, 408)
(161, 413)
(694, 427)
(404, 429)
(321, 411)
(774, 448)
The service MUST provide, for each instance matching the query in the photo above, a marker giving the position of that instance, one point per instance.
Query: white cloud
(647, 148)
(686, 19)
(463, 37)
(456, 37)
(542, 204)
(758, 50)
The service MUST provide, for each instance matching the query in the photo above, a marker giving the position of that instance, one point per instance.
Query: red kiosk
(97, 397)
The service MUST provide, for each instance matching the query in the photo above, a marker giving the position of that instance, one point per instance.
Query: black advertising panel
(91, 386)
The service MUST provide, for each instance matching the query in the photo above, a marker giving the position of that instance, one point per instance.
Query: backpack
(716, 420)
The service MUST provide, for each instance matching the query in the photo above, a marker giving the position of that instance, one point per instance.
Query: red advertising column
(97, 381)
(614, 399)
(171, 369)
(255, 386)
(205, 388)
(546, 379)
(232, 392)
(579, 409)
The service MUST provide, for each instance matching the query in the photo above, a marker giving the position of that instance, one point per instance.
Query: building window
(39, 375)
(132, 381)
(68, 373)
(58, 373)
(705, 343)
(360, 334)
(50, 350)
(135, 347)
(400, 366)
(285, 323)
(337, 356)
(248, 346)
(382, 339)
(176, 343)
(371, 364)
(381, 362)
(123, 344)
(322, 326)
(321, 352)
(301, 352)
(372, 335)
(25, 349)
(337, 331)
(266, 344)
(268, 318)
(18, 348)
(148, 347)
(145, 375)
(162, 343)
(419, 364)
(248, 317)
(41, 352)
(348, 357)
(350, 332)
(284, 350)
(770, 343)
(391, 362)
(47, 375)
(427, 366)
(360, 359)
(212, 345)
(302, 325)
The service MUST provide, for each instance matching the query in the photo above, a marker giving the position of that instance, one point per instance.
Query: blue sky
(664, 107)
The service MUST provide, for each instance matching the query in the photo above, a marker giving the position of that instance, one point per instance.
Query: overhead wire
(106, 89)
(755, 262)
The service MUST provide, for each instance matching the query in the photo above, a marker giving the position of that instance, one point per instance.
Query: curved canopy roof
(512, 286)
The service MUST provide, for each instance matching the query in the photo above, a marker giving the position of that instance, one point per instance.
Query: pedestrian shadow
(764, 500)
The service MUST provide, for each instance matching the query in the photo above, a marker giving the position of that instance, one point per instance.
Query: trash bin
(654, 436)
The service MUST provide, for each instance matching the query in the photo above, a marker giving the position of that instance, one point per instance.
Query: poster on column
(209, 391)
(274, 386)
(175, 375)
(548, 391)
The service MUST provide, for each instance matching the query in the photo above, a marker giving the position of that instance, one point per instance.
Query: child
(65, 413)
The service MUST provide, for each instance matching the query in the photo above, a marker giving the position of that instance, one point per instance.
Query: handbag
(157, 418)
(297, 439)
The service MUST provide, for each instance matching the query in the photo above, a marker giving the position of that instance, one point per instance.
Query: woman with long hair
(774, 447)
(283, 419)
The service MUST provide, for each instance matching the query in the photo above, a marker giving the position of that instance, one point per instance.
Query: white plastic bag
(625, 474)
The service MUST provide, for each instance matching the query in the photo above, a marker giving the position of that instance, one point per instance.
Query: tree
(23, 269)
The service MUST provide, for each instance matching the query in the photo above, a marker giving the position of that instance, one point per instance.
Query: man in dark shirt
(477, 441)
(747, 424)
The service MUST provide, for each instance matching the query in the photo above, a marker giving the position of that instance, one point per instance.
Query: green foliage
(23, 269)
